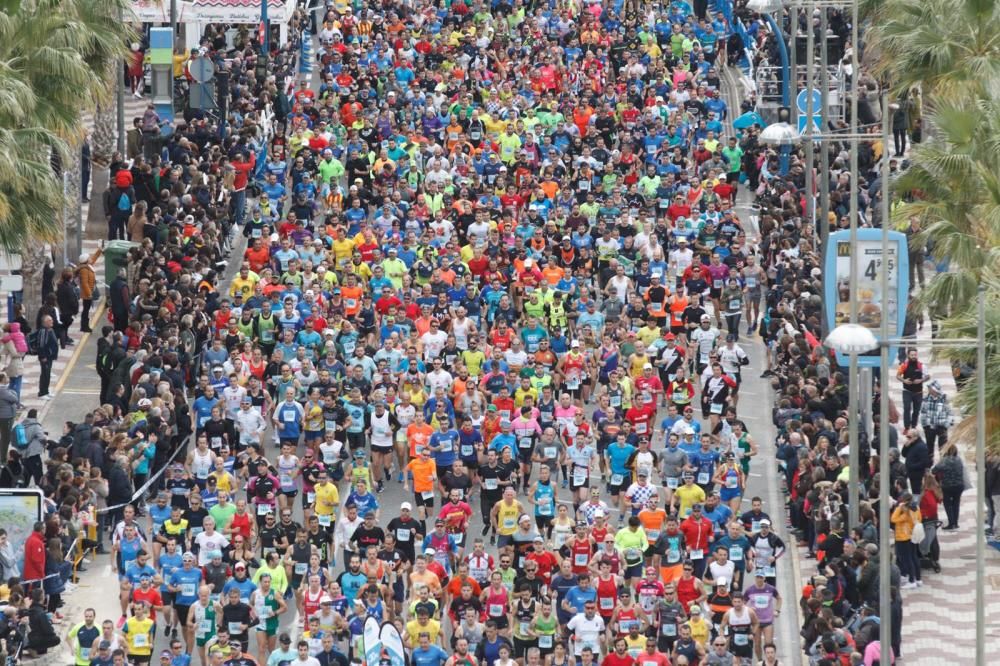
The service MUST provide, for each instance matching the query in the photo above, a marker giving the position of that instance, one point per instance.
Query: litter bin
(115, 257)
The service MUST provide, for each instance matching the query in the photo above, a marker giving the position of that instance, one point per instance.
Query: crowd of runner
(494, 259)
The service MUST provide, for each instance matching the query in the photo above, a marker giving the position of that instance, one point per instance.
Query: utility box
(116, 257)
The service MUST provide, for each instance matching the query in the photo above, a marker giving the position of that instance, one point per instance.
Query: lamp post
(784, 136)
(767, 9)
(265, 29)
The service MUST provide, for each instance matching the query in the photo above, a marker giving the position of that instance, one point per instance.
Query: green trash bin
(115, 257)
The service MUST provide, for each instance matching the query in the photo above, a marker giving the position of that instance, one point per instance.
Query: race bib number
(697, 554)
(288, 416)
(736, 553)
(235, 628)
(607, 603)
(579, 477)
(642, 428)
(324, 520)
(301, 568)
(188, 590)
(732, 482)
(669, 629)
(741, 639)
(717, 284)
(490, 484)
(204, 627)
(702, 478)
(715, 408)
(496, 610)
(761, 601)
(141, 640)
(617, 479)
(263, 509)
(751, 282)
(467, 450)
(402, 534)
(544, 641)
(580, 559)
(550, 452)
(673, 483)
(427, 494)
(734, 305)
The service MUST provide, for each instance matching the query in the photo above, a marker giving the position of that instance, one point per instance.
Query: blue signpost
(802, 103)
(866, 260)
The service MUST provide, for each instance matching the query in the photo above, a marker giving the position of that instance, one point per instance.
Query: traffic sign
(802, 101)
(817, 124)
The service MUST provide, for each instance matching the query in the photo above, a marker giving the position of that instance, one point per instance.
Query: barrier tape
(149, 482)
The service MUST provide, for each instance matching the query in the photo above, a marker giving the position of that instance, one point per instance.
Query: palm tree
(53, 54)
(950, 51)
(940, 46)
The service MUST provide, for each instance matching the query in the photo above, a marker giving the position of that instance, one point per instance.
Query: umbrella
(747, 119)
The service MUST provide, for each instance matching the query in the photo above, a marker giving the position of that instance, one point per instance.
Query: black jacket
(119, 486)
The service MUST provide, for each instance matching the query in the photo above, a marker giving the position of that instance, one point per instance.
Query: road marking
(107, 571)
(81, 391)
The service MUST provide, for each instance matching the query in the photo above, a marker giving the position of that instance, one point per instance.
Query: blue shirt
(577, 597)
(245, 586)
(168, 564)
(618, 456)
(188, 582)
(432, 656)
(444, 446)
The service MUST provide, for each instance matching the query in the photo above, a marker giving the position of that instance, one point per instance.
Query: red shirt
(655, 659)
(641, 418)
(697, 533)
(151, 597)
(614, 660)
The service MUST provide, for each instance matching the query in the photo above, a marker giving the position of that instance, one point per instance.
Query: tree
(950, 50)
(940, 46)
(53, 55)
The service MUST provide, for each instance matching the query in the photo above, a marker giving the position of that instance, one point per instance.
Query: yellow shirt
(507, 516)
(343, 249)
(520, 394)
(689, 496)
(327, 499)
(700, 631)
(139, 634)
(414, 629)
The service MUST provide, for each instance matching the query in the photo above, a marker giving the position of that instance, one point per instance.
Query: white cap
(575, 343)
(647, 366)
(406, 505)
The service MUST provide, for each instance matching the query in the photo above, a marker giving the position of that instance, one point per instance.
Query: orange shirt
(652, 523)
(352, 300)
(553, 274)
(428, 578)
(456, 583)
(423, 474)
(418, 435)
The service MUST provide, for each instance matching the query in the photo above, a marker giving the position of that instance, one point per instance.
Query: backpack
(124, 202)
(20, 437)
(33, 343)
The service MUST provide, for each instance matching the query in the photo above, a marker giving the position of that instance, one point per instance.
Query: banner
(392, 646)
(866, 261)
(373, 644)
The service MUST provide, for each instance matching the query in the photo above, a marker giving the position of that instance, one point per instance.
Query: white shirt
(308, 661)
(587, 632)
(208, 543)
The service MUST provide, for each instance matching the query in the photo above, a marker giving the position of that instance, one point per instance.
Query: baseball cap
(722, 582)
(765, 521)
(166, 655)
(406, 506)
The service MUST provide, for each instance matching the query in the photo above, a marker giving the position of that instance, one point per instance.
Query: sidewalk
(939, 619)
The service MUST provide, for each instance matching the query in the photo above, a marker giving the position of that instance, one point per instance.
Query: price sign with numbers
(866, 261)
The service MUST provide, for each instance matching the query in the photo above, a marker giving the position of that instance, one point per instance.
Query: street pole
(810, 110)
(793, 57)
(884, 590)
(824, 103)
(267, 29)
(120, 94)
(852, 504)
(980, 480)
(173, 42)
